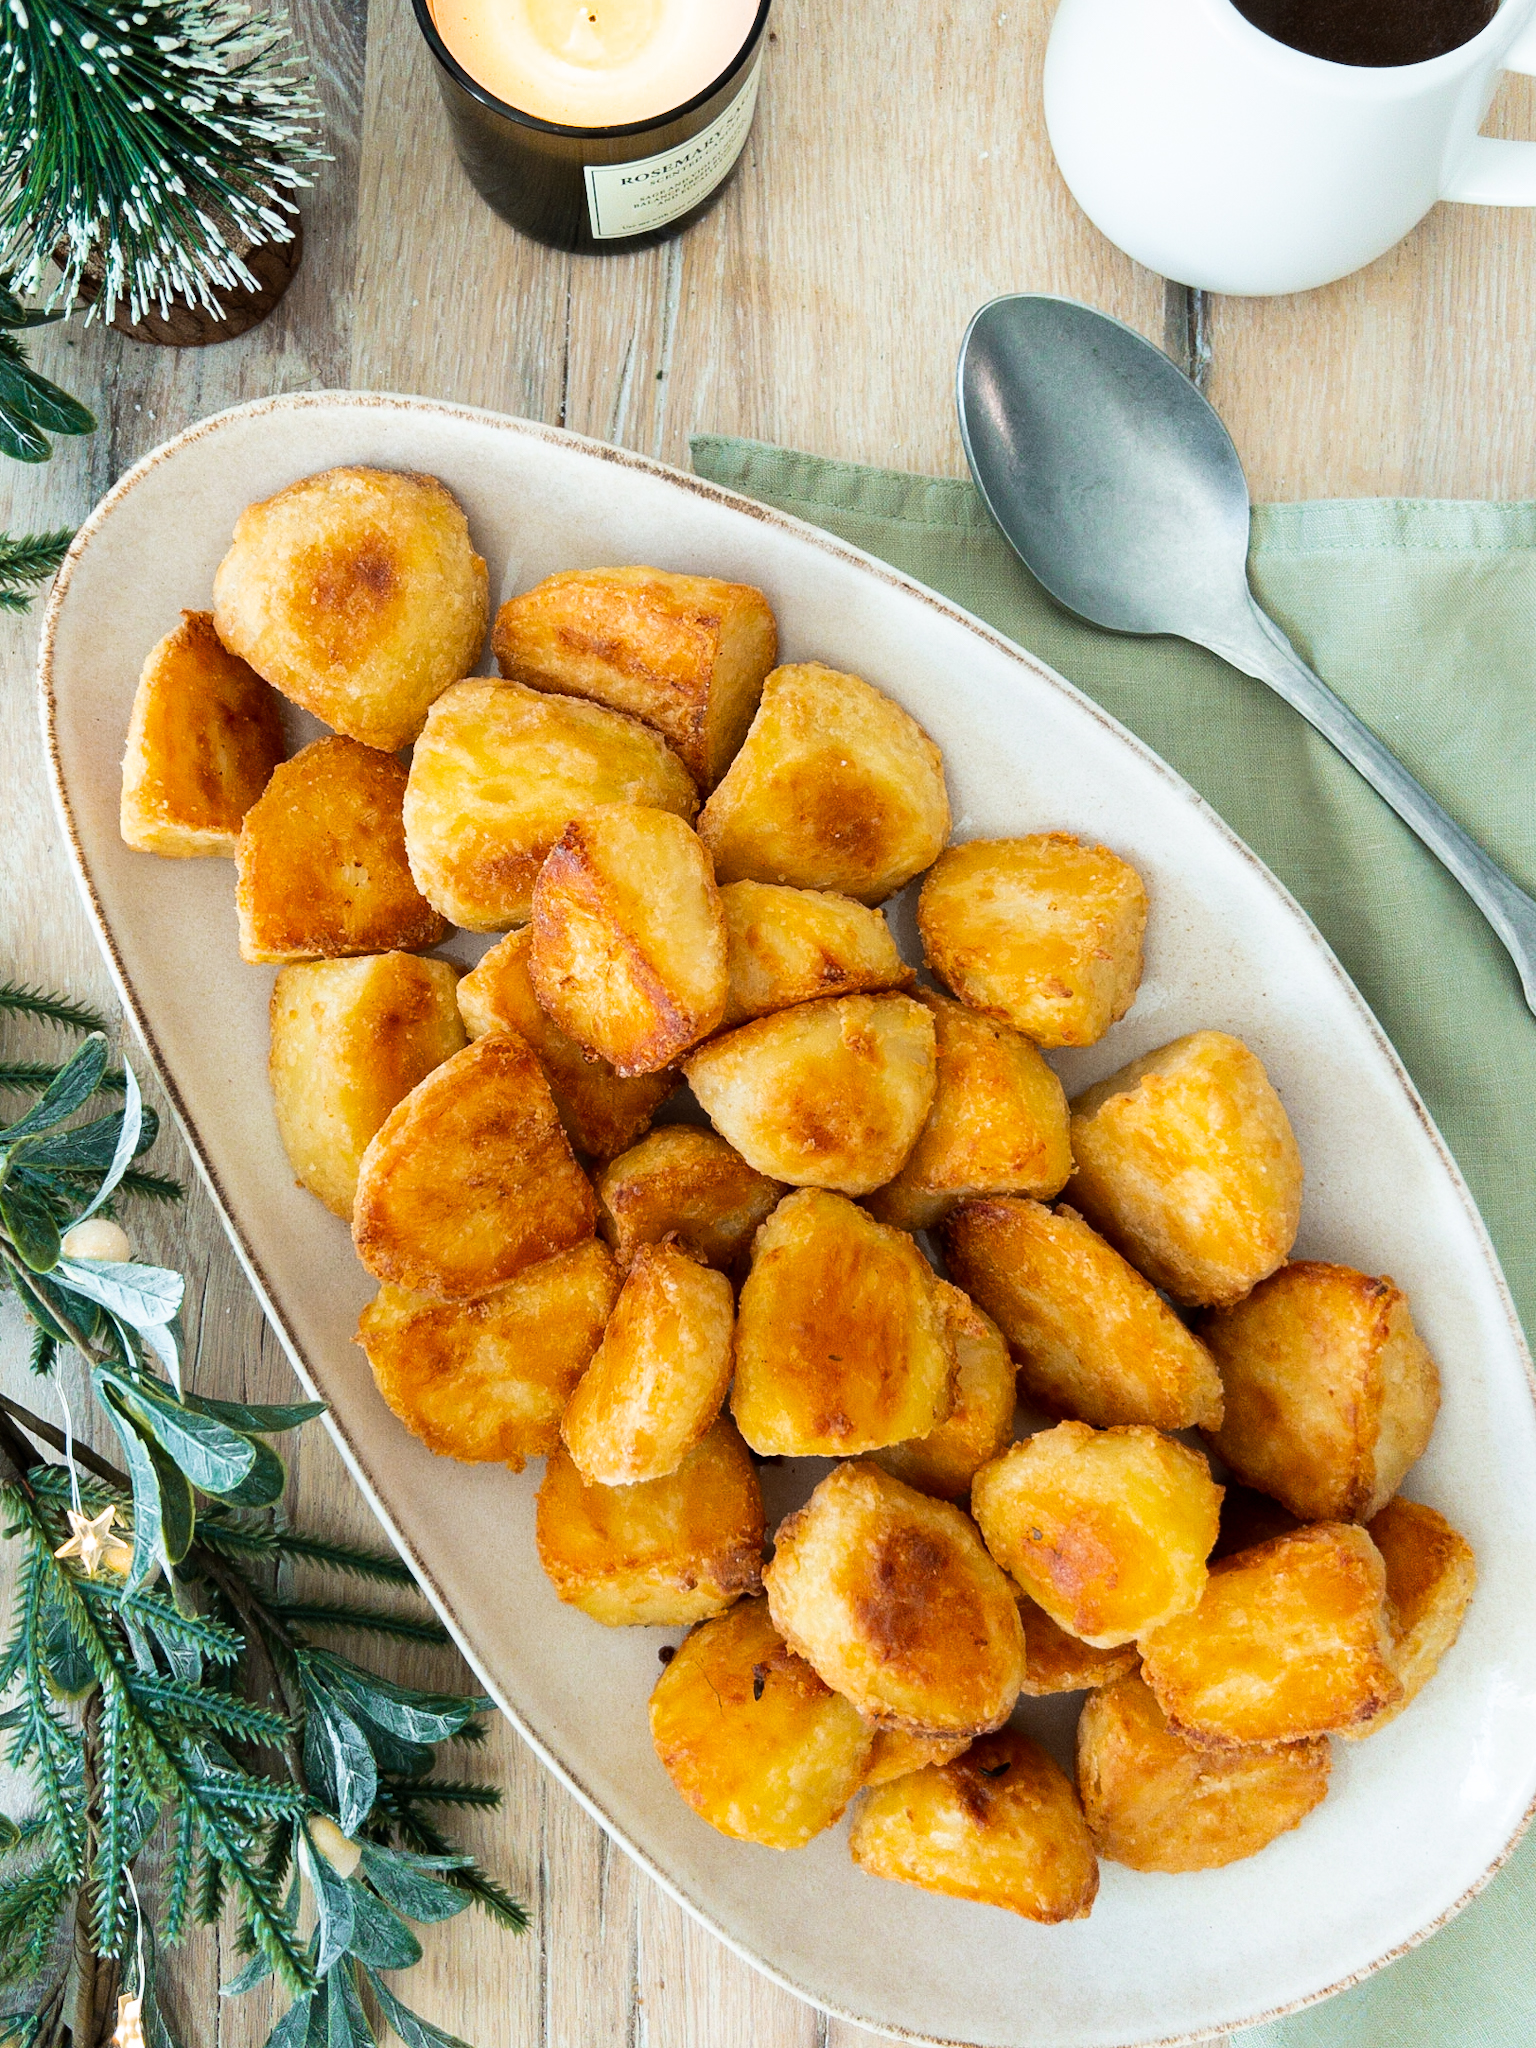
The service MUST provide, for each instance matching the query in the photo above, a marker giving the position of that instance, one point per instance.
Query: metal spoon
(1120, 490)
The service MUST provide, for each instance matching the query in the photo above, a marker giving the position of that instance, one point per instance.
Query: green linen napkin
(1423, 616)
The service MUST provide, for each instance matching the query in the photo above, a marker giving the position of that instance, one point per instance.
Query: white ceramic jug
(1226, 160)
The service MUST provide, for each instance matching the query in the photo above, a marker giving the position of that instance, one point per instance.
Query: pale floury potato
(687, 654)
(750, 1736)
(498, 774)
(1156, 1802)
(1057, 1662)
(1091, 1338)
(1330, 1394)
(892, 1597)
(471, 1178)
(628, 951)
(787, 946)
(487, 1380)
(1108, 1530)
(660, 1554)
(685, 1182)
(660, 1373)
(358, 594)
(1431, 1574)
(350, 1039)
(1000, 1826)
(979, 1424)
(836, 787)
(894, 1753)
(826, 1095)
(1187, 1163)
(602, 1111)
(843, 1340)
(320, 866)
(998, 1125)
(1042, 932)
(1288, 1641)
(203, 738)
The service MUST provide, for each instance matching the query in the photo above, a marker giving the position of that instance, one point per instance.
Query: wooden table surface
(898, 175)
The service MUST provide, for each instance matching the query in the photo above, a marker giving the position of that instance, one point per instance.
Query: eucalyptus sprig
(159, 1683)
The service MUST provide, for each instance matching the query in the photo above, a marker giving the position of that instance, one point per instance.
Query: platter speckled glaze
(1420, 1816)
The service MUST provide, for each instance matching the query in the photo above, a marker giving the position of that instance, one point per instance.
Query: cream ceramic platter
(1419, 1817)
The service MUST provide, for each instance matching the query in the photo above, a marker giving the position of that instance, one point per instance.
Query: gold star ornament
(92, 1541)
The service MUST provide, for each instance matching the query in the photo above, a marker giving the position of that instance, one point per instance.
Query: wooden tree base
(273, 264)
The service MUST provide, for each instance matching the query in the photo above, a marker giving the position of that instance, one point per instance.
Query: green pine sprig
(27, 559)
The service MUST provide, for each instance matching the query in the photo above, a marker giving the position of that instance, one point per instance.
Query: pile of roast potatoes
(683, 849)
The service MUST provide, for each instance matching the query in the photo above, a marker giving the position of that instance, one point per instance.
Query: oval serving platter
(1420, 1816)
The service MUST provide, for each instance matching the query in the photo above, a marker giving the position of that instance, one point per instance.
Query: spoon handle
(1269, 655)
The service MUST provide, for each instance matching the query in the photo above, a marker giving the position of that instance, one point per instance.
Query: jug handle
(1493, 171)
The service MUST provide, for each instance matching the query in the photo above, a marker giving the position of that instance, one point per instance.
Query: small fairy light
(339, 1850)
(97, 1238)
(129, 2031)
(92, 1541)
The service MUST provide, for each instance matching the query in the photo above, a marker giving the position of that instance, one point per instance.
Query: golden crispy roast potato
(687, 654)
(1043, 932)
(603, 1113)
(842, 1341)
(787, 946)
(684, 1182)
(1000, 1826)
(357, 592)
(1091, 1338)
(1157, 1802)
(498, 774)
(1249, 1519)
(1330, 1394)
(998, 1125)
(350, 1039)
(1187, 1163)
(203, 738)
(1288, 1641)
(628, 951)
(487, 1381)
(660, 1373)
(1431, 1573)
(1056, 1662)
(470, 1178)
(826, 1095)
(894, 1753)
(1107, 1529)
(979, 1424)
(660, 1554)
(893, 1598)
(750, 1736)
(320, 867)
(836, 787)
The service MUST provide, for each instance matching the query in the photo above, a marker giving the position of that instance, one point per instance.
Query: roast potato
(487, 1381)
(603, 1112)
(1001, 1825)
(350, 1039)
(835, 787)
(628, 950)
(1091, 1338)
(320, 866)
(892, 1597)
(687, 654)
(470, 1178)
(1330, 1394)
(1288, 1641)
(894, 1753)
(842, 1341)
(358, 594)
(1431, 1574)
(1042, 932)
(660, 1373)
(498, 774)
(786, 946)
(663, 1553)
(1156, 1802)
(685, 1182)
(1056, 1662)
(828, 1095)
(1108, 1530)
(979, 1424)
(204, 736)
(1187, 1163)
(750, 1736)
(998, 1125)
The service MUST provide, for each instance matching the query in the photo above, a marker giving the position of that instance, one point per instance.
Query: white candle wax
(594, 63)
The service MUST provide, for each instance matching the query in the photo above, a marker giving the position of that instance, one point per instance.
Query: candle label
(634, 198)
